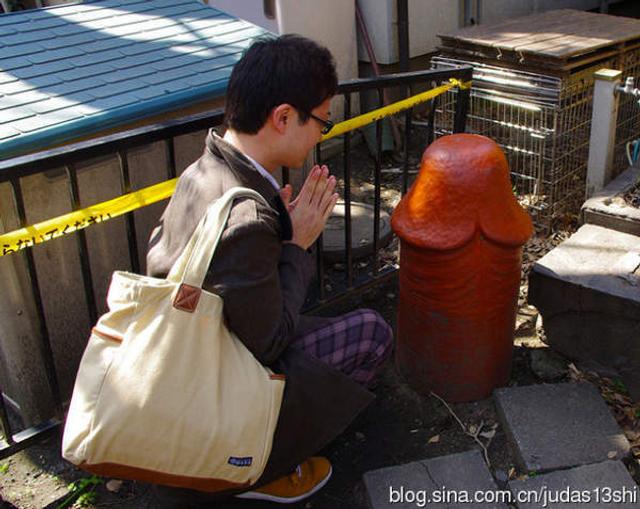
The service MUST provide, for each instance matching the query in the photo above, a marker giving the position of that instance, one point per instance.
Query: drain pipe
(367, 41)
(403, 34)
(468, 17)
(467, 13)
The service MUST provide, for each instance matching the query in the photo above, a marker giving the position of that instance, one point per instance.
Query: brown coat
(263, 283)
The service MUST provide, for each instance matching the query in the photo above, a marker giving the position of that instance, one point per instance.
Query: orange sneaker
(304, 481)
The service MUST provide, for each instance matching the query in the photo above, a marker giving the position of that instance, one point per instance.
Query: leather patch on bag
(187, 298)
(277, 376)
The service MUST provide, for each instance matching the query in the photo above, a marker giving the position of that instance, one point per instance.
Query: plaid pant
(356, 343)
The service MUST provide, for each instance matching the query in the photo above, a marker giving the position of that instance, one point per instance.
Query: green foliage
(81, 491)
(4, 468)
(87, 499)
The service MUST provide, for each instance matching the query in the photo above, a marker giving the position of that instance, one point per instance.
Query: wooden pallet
(559, 40)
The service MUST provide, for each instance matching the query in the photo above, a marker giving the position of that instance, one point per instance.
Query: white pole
(603, 129)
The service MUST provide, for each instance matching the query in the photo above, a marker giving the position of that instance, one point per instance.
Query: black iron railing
(67, 157)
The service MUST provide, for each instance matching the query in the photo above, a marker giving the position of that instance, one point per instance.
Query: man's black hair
(287, 69)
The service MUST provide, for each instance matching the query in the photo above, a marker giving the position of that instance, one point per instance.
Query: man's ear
(280, 117)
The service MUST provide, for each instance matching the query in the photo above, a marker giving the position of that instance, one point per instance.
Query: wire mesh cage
(542, 122)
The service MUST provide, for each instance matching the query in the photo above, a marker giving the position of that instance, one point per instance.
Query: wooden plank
(488, 34)
(574, 45)
(582, 30)
(572, 40)
(544, 33)
(512, 29)
(532, 63)
(591, 58)
(541, 67)
(569, 47)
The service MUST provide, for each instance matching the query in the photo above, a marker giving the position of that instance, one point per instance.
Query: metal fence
(14, 172)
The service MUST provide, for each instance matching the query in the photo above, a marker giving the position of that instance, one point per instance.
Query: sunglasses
(327, 125)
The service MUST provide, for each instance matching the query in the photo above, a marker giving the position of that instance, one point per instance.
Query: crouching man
(277, 108)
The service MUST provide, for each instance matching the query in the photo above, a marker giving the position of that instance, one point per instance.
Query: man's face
(302, 137)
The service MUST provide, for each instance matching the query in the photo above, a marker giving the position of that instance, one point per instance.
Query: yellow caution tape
(392, 109)
(79, 219)
(50, 229)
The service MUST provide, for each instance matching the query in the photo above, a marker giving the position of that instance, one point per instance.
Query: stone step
(443, 482)
(587, 291)
(608, 208)
(558, 426)
(598, 486)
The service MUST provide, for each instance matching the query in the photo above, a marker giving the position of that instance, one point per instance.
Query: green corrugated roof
(78, 69)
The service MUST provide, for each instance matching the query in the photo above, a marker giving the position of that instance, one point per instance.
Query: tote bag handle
(191, 266)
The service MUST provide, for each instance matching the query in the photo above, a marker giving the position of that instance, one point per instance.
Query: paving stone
(599, 486)
(588, 293)
(607, 207)
(447, 480)
(553, 426)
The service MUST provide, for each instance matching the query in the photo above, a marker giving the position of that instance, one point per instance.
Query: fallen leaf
(632, 435)
(612, 454)
(434, 439)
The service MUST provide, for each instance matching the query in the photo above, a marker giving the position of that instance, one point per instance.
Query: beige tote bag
(165, 393)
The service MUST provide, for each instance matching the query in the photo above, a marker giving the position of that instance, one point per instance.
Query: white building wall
(330, 22)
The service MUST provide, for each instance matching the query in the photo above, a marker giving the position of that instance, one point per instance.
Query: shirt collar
(263, 172)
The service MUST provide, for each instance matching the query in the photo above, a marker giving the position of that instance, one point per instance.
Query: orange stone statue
(461, 234)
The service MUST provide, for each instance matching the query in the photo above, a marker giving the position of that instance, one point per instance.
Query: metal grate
(542, 122)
